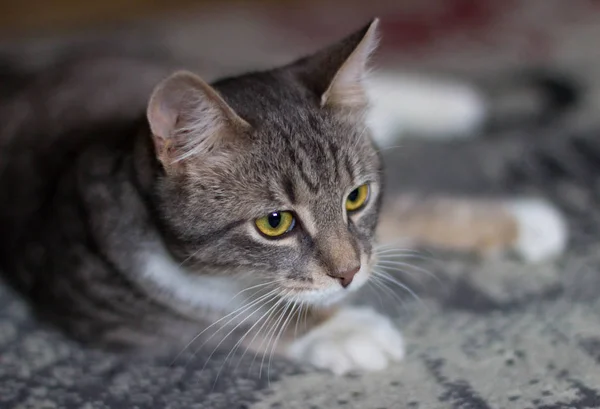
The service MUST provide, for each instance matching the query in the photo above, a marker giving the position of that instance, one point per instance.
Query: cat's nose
(347, 276)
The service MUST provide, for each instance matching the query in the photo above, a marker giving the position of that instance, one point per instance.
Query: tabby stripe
(334, 151)
(94, 251)
(114, 272)
(350, 169)
(288, 187)
(216, 234)
(310, 183)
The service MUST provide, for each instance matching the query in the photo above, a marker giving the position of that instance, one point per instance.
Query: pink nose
(347, 276)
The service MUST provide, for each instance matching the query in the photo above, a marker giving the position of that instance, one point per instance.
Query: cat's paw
(542, 228)
(354, 339)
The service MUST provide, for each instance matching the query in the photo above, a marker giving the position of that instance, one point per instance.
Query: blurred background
(475, 37)
(478, 38)
(462, 36)
(479, 41)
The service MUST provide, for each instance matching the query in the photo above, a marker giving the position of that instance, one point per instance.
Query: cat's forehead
(282, 110)
(298, 148)
(316, 147)
(263, 97)
(306, 169)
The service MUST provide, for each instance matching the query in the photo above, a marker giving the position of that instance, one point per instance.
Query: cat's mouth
(328, 291)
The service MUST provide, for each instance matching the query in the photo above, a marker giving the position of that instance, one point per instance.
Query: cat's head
(273, 174)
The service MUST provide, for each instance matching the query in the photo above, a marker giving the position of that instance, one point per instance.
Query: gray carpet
(483, 334)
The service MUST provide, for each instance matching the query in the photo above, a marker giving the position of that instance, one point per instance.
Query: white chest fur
(216, 294)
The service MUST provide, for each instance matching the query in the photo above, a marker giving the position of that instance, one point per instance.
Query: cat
(232, 210)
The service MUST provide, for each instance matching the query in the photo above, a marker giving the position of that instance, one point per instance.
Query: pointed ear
(188, 117)
(337, 73)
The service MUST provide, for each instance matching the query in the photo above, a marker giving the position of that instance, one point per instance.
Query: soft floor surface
(485, 334)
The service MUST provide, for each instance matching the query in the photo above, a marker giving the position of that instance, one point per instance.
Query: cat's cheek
(354, 339)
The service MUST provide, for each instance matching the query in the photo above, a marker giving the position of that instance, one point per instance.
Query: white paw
(355, 339)
(543, 231)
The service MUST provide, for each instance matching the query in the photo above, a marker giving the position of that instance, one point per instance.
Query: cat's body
(143, 233)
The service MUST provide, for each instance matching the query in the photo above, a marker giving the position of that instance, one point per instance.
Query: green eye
(276, 224)
(357, 198)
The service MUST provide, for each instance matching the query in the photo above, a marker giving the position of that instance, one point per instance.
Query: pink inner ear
(162, 119)
(187, 118)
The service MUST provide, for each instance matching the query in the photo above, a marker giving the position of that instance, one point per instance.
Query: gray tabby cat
(234, 209)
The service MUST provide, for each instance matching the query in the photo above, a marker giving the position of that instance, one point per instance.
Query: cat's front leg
(348, 339)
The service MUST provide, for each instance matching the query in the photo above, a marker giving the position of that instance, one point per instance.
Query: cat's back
(80, 90)
(82, 109)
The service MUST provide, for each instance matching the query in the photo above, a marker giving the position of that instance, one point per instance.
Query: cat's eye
(276, 224)
(357, 198)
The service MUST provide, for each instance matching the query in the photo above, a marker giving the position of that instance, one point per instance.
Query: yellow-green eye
(357, 198)
(276, 224)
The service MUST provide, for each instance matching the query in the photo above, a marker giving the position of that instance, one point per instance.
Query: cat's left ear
(337, 73)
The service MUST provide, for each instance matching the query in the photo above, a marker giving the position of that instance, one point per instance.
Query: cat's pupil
(353, 195)
(274, 219)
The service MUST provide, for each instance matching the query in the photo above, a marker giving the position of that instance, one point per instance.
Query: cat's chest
(191, 291)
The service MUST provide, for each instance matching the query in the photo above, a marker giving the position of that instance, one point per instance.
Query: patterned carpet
(483, 334)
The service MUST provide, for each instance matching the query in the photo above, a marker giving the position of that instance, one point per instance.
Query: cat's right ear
(189, 118)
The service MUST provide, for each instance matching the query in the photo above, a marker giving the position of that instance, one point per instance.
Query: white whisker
(298, 316)
(269, 312)
(236, 313)
(260, 347)
(405, 251)
(386, 276)
(229, 333)
(389, 292)
(188, 258)
(372, 283)
(236, 346)
(395, 256)
(386, 249)
(388, 264)
(283, 328)
(253, 287)
(272, 332)
(306, 312)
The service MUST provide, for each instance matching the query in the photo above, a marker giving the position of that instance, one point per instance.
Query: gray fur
(84, 196)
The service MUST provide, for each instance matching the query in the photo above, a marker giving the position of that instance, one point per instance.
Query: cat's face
(273, 175)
